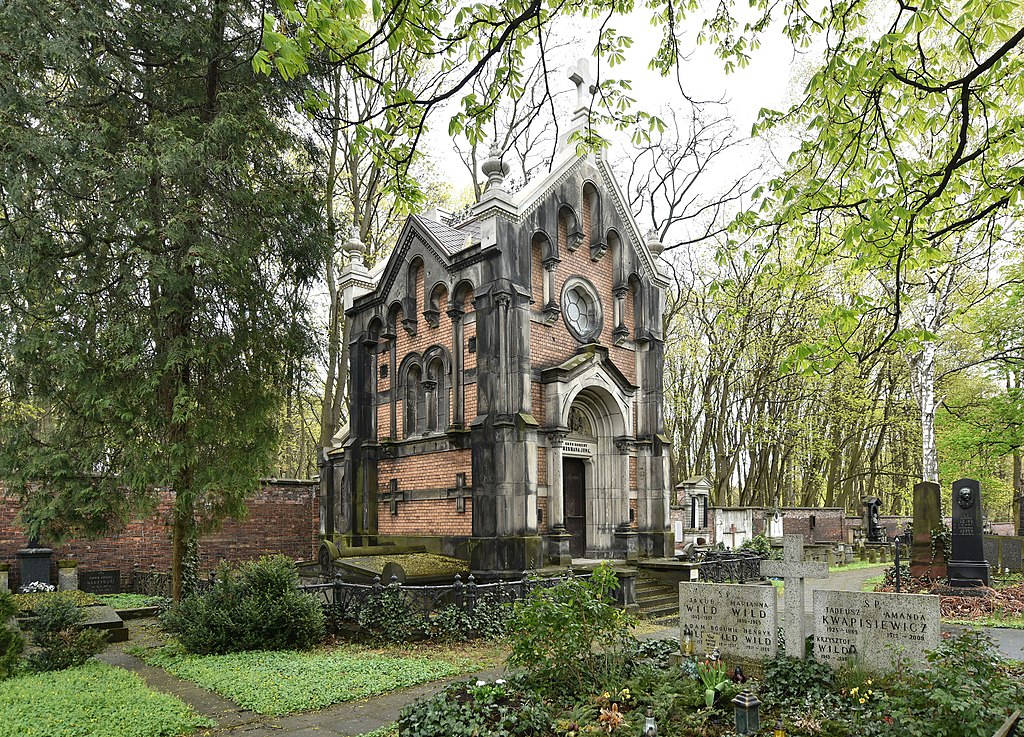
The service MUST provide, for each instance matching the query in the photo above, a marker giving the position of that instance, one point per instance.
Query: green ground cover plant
(28, 603)
(283, 682)
(132, 601)
(94, 700)
(857, 565)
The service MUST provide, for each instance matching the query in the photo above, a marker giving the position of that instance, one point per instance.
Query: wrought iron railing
(723, 567)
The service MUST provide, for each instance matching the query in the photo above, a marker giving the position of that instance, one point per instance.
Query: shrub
(62, 641)
(499, 709)
(255, 606)
(789, 680)
(966, 690)
(11, 641)
(570, 638)
(385, 617)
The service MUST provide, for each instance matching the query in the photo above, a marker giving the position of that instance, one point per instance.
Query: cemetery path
(340, 720)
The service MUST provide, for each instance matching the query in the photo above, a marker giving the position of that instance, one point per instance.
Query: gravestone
(872, 525)
(927, 517)
(878, 630)
(793, 571)
(967, 565)
(100, 582)
(990, 545)
(35, 564)
(1011, 553)
(741, 620)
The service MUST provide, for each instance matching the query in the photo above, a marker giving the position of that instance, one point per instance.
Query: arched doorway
(595, 474)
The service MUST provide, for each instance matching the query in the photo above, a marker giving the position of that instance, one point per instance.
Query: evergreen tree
(157, 242)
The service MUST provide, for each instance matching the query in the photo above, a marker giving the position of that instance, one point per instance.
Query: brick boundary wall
(283, 517)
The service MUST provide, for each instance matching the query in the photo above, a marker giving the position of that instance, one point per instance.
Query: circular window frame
(584, 287)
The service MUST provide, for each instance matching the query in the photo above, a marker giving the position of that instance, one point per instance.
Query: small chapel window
(581, 309)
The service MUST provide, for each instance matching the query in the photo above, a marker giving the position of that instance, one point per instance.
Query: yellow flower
(863, 700)
(853, 691)
(868, 682)
(870, 692)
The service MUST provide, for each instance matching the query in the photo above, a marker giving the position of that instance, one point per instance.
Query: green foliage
(488, 620)
(132, 601)
(11, 641)
(501, 709)
(94, 700)
(61, 640)
(28, 603)
(146, 343)
(760, 545)
(386, 617)
(571, 637)
(281, 682)
(789, 680)
(966, 689)
(254, 606)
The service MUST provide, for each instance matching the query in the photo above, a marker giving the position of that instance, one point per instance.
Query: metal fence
(344, 601)
(722, 567)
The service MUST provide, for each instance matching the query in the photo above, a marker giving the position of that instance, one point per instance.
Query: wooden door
(574, 504)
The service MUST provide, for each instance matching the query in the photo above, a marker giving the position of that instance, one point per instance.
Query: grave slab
(106, 619)
(880, 631)
(741, 620)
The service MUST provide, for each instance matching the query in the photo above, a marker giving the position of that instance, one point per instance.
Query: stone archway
(591, 450)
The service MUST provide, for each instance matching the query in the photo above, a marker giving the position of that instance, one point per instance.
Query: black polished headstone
(35, 565)
(967, 565)
(872, 525)
(100, 582)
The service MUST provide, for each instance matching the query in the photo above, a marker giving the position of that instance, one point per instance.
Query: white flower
(499, 681)
(481, 683)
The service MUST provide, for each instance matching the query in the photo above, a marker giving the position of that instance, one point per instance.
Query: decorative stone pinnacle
(495, 169)
(654, 242)
(354, 247)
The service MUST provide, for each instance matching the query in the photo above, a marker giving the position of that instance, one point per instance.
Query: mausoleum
(506, 378)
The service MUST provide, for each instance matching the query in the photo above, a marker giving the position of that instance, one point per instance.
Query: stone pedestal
(557, 545)
(5, 584)
(35, 565)
(493, 558)
(626, 543)
(967, 565)
(67, 579)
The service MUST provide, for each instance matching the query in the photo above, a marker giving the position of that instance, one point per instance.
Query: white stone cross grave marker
(793, 571)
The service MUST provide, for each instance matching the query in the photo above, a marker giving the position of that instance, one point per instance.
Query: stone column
(550, 307)
(67, 578)
(625, 538)
(620, 332)
(393, 383)
(558, 538)
(458, 361)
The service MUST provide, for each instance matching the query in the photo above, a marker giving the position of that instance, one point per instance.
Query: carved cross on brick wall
(394, 495)
(460, 492)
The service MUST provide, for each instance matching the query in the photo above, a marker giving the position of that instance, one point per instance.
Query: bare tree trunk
(925, 379)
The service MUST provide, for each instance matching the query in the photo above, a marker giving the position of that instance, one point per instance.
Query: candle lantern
(748, 720)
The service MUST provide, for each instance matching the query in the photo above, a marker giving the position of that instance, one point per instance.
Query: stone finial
(654, 242)
(354, 247)
(494, 169)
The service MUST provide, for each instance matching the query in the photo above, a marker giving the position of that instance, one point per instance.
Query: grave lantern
(748, 720)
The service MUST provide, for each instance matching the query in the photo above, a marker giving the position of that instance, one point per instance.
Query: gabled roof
(449, 239)
(588, 355)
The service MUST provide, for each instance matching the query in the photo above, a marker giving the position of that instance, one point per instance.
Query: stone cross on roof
(793, 571)
(579, 74)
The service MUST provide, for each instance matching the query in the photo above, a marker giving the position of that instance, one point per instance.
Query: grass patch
(996, 619)
(94, 700)
(287, 681)
(857, 565)
(388, 730)
(871, 583)
(132, 601)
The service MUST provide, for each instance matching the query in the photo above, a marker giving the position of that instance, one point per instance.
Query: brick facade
(283, 517)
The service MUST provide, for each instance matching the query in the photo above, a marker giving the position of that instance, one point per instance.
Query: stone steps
(656, 599)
